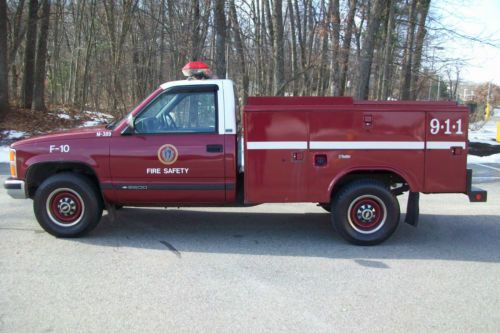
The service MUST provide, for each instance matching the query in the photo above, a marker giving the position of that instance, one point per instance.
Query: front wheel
(365, 212)
(67, 205)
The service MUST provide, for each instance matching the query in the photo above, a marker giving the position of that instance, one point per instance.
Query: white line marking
(444, 144)
(277, 145)
(367, 145)
(487, 166)
(479, 177)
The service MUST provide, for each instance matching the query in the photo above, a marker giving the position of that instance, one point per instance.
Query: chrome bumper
(15, 188)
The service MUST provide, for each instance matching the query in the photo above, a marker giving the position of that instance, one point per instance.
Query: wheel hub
(65, 207)
(367, 214)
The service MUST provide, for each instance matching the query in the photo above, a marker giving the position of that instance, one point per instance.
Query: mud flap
(475, 194)
(412, 209)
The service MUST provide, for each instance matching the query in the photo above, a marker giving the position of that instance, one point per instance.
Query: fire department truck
(185, 145)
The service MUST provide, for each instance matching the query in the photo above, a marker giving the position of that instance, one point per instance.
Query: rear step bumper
(475, 194)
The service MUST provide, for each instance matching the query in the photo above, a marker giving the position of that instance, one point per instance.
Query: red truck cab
(183, 146)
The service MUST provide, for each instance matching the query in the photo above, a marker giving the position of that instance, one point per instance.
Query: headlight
(13, 164)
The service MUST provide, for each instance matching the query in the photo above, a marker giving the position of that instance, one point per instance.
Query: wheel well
(39, 172)
(395, 182)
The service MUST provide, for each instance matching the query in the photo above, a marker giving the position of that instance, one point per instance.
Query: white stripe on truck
(369, 145)
(444, 144)
(277, 145)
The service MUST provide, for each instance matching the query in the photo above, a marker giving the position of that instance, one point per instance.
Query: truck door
(174, 152)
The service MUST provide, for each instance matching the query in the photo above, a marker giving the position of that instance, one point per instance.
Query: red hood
(74, 133)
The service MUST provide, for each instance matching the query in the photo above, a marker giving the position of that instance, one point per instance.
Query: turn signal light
(13, 164)
(13, 171)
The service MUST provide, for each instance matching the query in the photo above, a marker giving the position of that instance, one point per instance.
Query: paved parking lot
(266, 268)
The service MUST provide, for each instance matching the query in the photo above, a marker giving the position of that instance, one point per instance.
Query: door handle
(214, 149)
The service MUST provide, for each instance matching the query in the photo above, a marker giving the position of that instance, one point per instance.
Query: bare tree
(220, 38)
(4, 72)
(41, 59)
(365, 65)
(29, 55)
(239, 51)
(346, 47)
(406, 68)
(278, 47)
(423, 10)
(388, 51)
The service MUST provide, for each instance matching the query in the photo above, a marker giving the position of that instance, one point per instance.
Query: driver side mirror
(131, 121)
(130, 129)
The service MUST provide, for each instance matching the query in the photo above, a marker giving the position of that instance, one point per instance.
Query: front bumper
(15, 188)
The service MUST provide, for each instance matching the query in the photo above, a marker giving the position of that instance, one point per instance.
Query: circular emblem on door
(168, 154)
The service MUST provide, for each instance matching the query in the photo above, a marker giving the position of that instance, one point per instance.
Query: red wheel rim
(367, 214)
(65, 207)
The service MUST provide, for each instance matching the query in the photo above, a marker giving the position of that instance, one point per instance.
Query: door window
(184, 111)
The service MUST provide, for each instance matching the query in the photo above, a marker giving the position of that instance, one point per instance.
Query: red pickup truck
(184, 146)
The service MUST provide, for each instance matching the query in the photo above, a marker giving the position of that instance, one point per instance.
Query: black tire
(365, 212)
(68, 205)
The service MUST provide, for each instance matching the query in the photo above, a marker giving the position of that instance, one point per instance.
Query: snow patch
(99, 115)
(64, 116)
(486, 133)
(91, 123)
(495, 158)
(13, 135)
(4, 154)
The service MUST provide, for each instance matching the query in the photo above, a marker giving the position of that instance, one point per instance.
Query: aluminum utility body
(186, 144)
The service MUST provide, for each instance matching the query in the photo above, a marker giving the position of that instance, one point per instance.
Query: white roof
(190, 83)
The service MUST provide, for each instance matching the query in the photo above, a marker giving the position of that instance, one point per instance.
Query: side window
(182, 111)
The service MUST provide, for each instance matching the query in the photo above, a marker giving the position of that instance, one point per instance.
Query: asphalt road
(266, 268)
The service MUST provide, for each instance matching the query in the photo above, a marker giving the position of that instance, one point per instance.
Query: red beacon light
(196, 70)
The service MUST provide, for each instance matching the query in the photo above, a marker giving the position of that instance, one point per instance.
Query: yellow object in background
(498, 131)
(487, 112)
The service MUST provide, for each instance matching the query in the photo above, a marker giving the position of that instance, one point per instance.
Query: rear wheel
(67, 205)
(365, 212)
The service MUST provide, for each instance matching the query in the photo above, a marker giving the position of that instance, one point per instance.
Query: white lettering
(153, 171)
(61, 148)
(178, 171)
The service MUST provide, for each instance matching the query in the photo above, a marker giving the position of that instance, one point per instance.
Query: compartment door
(446, 152)
(276, 156)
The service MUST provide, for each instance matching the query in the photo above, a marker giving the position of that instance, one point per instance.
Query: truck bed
(298, 148)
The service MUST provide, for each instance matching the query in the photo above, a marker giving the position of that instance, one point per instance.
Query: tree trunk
(239, 51)
(220, 39)
(387, 57)
(366, 60)
(295, 65)
(406, 67)
(346, 47)
(336, 48)
(195, 30)
(423, 9)
(267, 20)
(18, 31)
(29, 56)
(4, 74)
(278, 46)
(41, 59)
